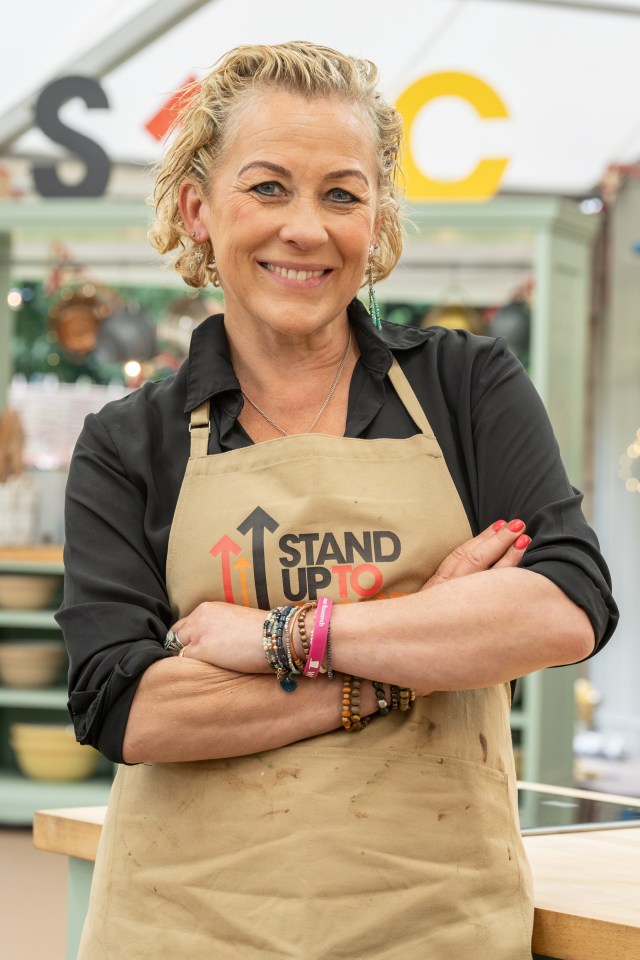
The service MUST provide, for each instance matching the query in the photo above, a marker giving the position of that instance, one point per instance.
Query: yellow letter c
(485, 180)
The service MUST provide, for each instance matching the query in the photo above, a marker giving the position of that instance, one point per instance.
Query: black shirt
(130, 459)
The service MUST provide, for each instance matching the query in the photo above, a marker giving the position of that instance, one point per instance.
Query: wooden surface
(587, 885)
(587, 894)
(74, 832)
(40, 553)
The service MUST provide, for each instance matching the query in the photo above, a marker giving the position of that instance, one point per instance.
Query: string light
(132, 369)
(627, 462)
(14, 298)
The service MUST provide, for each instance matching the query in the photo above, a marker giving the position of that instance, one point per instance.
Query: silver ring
(172, 641)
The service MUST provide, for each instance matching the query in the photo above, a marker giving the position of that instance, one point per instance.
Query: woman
(313, 474)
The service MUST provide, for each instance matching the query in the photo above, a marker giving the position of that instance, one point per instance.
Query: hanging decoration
(75, 320)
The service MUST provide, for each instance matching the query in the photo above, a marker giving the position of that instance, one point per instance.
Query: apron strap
(405, 391)
(200, 430)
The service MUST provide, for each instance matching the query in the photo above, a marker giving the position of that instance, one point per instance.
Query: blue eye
(342, 196)
(269, 189)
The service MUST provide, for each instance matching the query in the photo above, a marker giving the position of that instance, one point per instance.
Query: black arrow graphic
(259, 521)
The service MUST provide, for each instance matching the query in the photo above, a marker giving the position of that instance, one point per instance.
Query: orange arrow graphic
(225, 547)
(242, 564)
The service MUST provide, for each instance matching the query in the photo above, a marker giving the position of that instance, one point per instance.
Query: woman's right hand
(500, 545)
(224, 635)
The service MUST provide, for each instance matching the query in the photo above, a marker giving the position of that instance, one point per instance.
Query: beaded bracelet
(328, 669)
(383, 703)
(275, 636)
(292, 660)
(297, 664)
(299, 618)
(406, 699)
(401, 698)
(302, 625)
(351, 717)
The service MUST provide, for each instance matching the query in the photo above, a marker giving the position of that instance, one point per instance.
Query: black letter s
(98, 165)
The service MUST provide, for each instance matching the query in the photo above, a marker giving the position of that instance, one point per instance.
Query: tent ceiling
(565, 70)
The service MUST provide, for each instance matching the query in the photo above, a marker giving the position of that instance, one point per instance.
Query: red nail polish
(516, 526)
(499, 524)
(522, 542)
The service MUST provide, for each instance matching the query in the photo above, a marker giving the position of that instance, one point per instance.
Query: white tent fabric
(566, 73)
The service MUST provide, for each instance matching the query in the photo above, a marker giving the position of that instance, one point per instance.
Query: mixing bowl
(50, 752)
(28, 591)
(31, 663)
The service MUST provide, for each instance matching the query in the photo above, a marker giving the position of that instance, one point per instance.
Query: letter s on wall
(96, 161)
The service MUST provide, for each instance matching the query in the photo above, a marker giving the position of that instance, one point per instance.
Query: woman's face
(292, 212)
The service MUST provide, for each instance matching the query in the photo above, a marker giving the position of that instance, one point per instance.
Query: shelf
(51, 698)
(38, 619)
(43, 566)
(17, 566)
(21, 797)
(45, 558)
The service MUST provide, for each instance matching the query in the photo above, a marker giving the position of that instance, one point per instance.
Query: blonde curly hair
(203, 123)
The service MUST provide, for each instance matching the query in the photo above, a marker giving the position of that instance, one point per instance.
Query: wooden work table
(587, 884)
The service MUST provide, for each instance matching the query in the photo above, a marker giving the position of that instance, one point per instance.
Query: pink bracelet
(319, 634)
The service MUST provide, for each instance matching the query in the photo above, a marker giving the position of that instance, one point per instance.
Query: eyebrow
(283, 172)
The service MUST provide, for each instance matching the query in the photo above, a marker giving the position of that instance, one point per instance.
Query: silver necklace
(322, 408)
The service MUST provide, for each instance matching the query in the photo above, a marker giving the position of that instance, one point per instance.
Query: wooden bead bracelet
(350, 715)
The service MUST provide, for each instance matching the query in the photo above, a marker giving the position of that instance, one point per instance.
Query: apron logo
(309, 562)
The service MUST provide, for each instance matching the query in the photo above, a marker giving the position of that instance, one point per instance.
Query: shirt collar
(210, 373)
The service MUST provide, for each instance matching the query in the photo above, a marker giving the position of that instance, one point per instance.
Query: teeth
(294, 274)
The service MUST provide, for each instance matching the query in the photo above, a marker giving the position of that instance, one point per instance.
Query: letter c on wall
(485, 180)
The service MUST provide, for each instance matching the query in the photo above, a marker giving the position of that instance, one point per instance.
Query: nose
(303, 224)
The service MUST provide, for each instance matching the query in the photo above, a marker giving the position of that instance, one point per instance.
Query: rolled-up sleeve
(115, 611)
(519, 473)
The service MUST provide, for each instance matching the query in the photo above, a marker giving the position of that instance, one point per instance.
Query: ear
(193, 210)
(376, 229)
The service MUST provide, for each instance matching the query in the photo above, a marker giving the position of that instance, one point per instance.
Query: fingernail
(499, 524)
(516, 525)
(522, 542)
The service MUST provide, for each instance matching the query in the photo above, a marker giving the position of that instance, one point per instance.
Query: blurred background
(522, 169)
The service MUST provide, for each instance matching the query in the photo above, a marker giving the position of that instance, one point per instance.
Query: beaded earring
(198, 253)
(374, 310)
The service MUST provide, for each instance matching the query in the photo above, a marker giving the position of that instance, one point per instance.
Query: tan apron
(399, 841)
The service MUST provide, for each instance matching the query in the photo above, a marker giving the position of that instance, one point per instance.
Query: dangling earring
(374, 310)
(211, 264)
(198, 254)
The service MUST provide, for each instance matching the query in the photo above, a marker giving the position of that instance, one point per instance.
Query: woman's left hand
(500, 545)
(224, 635)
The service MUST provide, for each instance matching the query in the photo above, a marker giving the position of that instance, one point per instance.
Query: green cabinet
(542, 725)
(21, 796)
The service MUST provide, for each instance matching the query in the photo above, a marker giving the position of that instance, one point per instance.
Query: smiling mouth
(290, 274)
